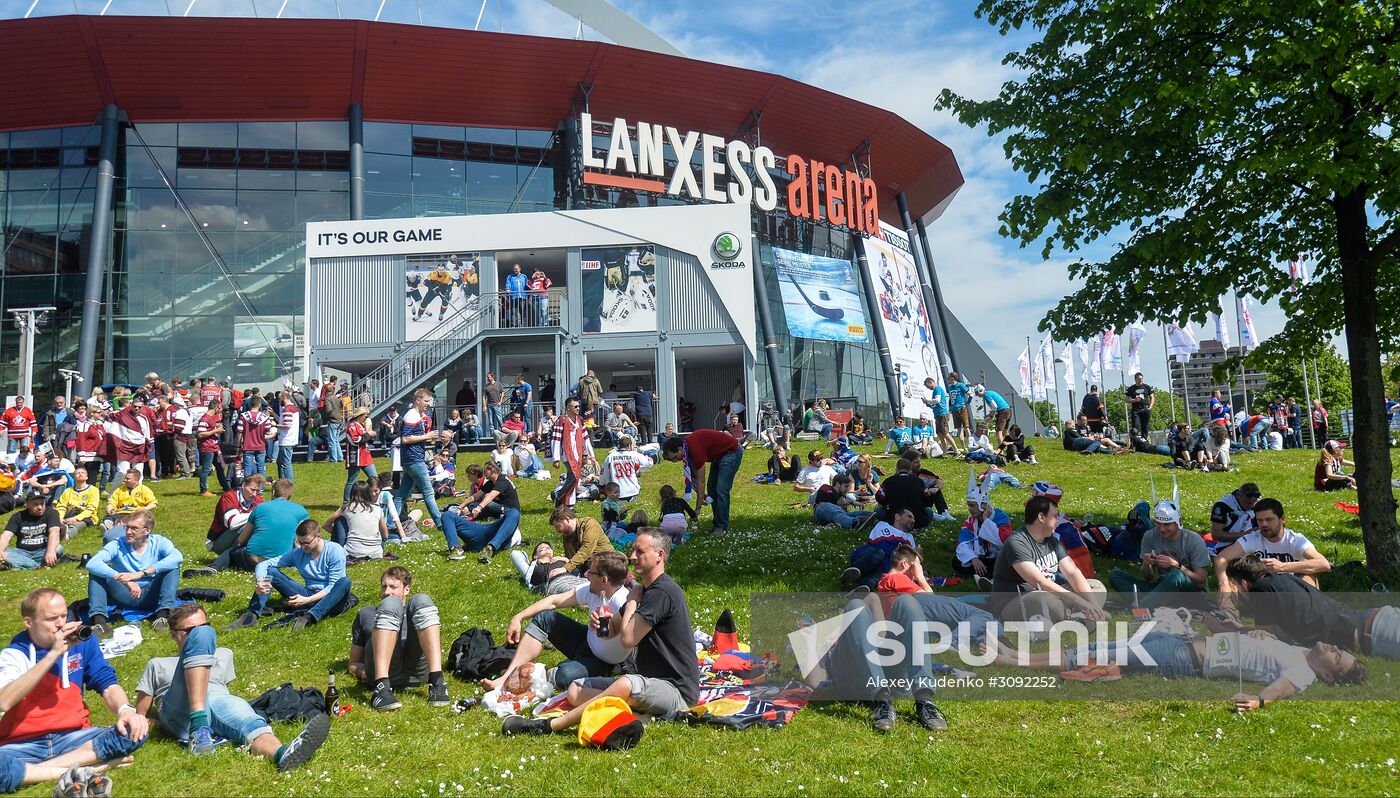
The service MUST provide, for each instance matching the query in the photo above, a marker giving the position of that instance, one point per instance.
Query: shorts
(960, 419)
(940, 423)
(1003, 420)
(649, 696)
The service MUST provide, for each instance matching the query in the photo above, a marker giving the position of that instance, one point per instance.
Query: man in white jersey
(1232, 517)
(1281, 549)
(624, 466)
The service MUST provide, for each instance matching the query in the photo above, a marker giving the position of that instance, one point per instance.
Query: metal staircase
(494, 314)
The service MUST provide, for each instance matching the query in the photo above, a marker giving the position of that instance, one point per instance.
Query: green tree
(1285, 373)
(1209, 142)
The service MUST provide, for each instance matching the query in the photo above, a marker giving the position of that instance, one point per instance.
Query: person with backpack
(397, 644)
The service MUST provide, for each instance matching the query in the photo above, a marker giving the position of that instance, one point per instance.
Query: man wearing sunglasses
(326, 591)
(196, 706)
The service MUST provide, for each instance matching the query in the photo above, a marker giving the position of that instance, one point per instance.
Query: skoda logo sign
(727, 246)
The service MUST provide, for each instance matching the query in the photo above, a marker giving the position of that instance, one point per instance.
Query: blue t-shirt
(923, 432)
(995, 399)
(902, 436)
(522, 394)
(318, 573)
(274, 527)
(958, 394)
(940, 401)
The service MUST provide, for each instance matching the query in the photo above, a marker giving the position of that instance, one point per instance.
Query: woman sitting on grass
(359, 527)
(1328, 474)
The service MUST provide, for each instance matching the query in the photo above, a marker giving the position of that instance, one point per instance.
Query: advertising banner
(439, 286)
(619, 289)
(820, 296)
(902, 312)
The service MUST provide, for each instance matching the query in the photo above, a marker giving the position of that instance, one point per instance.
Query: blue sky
(895, 54)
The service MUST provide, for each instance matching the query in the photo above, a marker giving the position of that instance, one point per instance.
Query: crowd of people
(636, 643)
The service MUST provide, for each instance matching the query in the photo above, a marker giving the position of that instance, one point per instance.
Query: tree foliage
(1286, 377)
(1209, 143)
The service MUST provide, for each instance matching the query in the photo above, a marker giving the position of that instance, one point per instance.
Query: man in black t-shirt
(1141, 398)
(1092, 409)
(34, 531)
(903, 490)
(1034, 564)
(464, 534)
(656, 619)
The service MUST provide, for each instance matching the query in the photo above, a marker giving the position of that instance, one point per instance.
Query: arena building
(269, 200)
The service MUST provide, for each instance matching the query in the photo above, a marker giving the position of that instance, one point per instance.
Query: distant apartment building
(1200, 379)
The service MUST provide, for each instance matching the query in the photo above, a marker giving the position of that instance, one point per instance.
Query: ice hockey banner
(619, 289)
(904, 317)
(820, 296)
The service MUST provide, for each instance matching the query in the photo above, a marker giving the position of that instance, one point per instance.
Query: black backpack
(474, 655)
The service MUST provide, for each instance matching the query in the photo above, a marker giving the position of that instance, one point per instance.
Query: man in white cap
(981, 536)
(1174, 560)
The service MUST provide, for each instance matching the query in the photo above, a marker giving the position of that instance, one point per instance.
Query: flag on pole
(1023, 364)
(1047, 360)
(1181, 342)
(1083, 348)
(1136, 332)
(1094, 368)
(1248, 339)
(1219, 329)
(1108, 350)
(1067, 357)
(1038, 378)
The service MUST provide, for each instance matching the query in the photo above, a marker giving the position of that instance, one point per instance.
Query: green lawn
(991, 748)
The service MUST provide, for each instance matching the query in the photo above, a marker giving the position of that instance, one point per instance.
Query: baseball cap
(35, 494)
(1336, 445)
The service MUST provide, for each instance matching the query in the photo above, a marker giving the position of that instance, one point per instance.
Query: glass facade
(209, 239)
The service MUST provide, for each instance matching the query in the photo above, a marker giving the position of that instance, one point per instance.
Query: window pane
(212, 210)
(267, 135)
(321, 206)
(25, 139)
(388, 174)
(323, 135)
(533, 138)
(439, 177)
(154, 135)
(207, 178)
(267, 178)
(33, 179)
(447, 132)
(323, 181)
(490, 186)
(141, 166)
(265, 210)
(386, 137)
(491, 135)
(210, 134)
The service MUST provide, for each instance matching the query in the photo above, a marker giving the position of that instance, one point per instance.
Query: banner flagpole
(1166, 350)
(1055, 375)
(1030, 401)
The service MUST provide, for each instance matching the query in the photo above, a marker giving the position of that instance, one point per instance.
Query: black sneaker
(437, 694)
(850, 576)
(929, 716)
(384, 699)
(160, 623)
(190, 573)
(285, 620)
(486, 555)
(884, 716)
(300, 750)
(519, 724)
(983, 583)
(101, 628)
(246, 620)
(858, 592)
(303, 620)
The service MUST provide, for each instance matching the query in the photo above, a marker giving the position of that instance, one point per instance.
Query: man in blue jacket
(139, 571)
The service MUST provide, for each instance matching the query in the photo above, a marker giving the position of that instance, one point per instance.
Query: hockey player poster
(619, 289)
(820, 298)
(439, 287)
(904, 316)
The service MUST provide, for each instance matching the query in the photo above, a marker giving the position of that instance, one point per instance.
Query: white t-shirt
(815, 476)
(1292, 547)
(362, 539)
(611, 650)
(1231, 654)
(625, 468)
(291, 435)
(504, 461)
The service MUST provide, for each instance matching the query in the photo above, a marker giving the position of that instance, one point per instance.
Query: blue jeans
(284, 462)
(1086, 445)
(354, 471)
(825, 431)
(1172, 654)
(494, 418)
(570, 638)
(107, 743)
(333, 453)
(27, 560)
(913, 607)
(828, 513)
(474, 537)
(998, 477)
(720, 483)
(254, 463)
(333, 603)
(206, 464)
(230, 717)
(852, 666)
(157, 593)
(13, 444)
(415, 475)
(872, 562)
(1153, 594)
(273, 448)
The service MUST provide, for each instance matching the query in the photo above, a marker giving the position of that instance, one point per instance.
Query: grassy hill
(1175, 747)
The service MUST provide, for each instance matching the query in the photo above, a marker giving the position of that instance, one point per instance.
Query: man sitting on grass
(655, 620)
(231, 515)
(871, 560)
(588, 650)
(398, 644)
(196, 707)
(130, 496)
(78, 505)
(1280, 549)
(45, 734)
(35, 531)
(1032, 560)
(139, 572)
(1174, 561)
(321, 564)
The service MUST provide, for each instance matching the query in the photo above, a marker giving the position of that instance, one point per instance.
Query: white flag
(1038, 378)
(1136, 332)
(1181, 342)
(1047, 359)
(1248, 338)
(1220, 329)
(1108, 350)
(1067, 357)
(1095, 365)
(1023, 364)
(1083, 349)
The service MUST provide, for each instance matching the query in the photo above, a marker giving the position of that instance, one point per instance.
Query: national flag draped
(1181, 342)
(1136, 332)
(1067, 357)
(1023, 365)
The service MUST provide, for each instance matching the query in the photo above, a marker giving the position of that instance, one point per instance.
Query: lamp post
(68, 376)
(28, 321)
